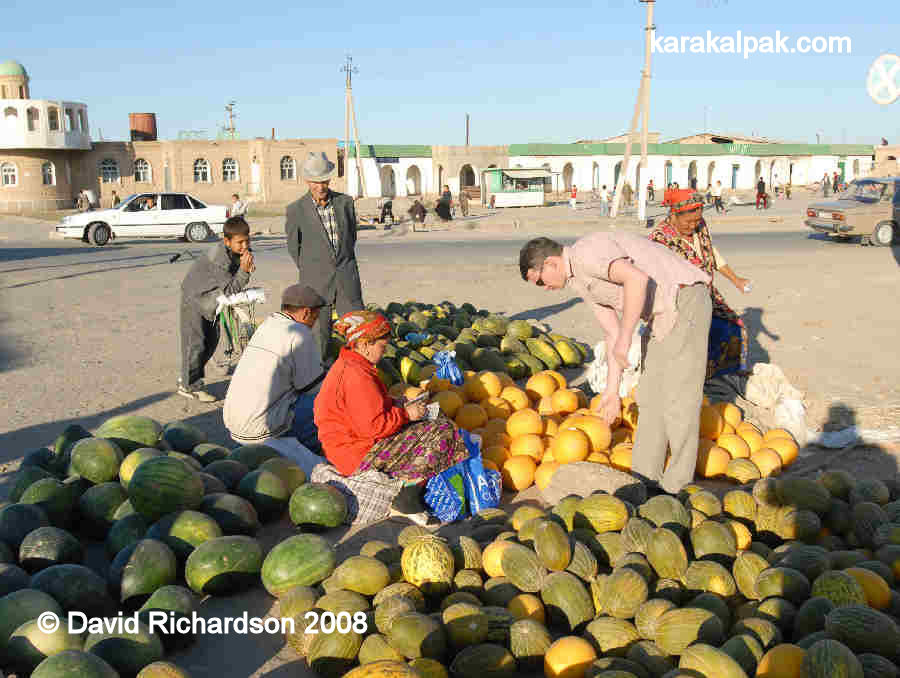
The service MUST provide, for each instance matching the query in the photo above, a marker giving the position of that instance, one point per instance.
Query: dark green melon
(130, 432)
(301, 560)
(864, 629)
(182, 437)
(62, 446)
(48, 546)
(839, 587)
(24, 478)
(164, 485)
(96, 460)
(487, 660)
(29, 645)
(167, 603)
(831, 659)
(317, 505)
(225, 565)
(17, 520)
(234, 514)
(187, 459)
(876, 666)
(207, 453)
(21, 606)
(140, 569)
(133, 460)
(183, 531)
(499, 591)
(252, 456)
(811, 616)
(12, 578)
(42, 458)
(97, 507)
(211, 484)
(127, 653)
(266, 492)
(77, 588)
(229, 471)
(6, 554)
(125, 532)
(124, 510)
(74, 663)
(290, 473)
(54, 498)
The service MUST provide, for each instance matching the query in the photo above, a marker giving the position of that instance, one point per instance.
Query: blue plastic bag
(464, 488)
(417, 338)
(447, 367)
(447, 502)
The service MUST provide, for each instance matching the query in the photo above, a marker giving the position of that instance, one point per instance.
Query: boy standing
(224, 269)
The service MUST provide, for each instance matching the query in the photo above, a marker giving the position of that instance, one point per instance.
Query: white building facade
(390, 171)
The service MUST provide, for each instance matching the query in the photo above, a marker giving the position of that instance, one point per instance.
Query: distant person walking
(717, 198)
(463, 202)
(417, 212)
(761, 194)
(651, 192)
(627, 194)
(442, 207)
(826, 185)
(836, 184)
(604, 202)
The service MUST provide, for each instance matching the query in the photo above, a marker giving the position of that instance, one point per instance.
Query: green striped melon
(77, 588)
(47, 546)
(126, 652)
(186, 459)
(290, 473)
(803, 493)
(74, 663)
(54, 497)
(12, 578)
(613, 636)
(783, 582)
(124, 532)
(523, 568)
(175, 602)
(17, 520)
(551, 543)
(529, 641)
(362, 574)
(24, 478)
(234, 514)
(481, 661)
(666, 554)
(183, 437)
(133, 460)
(831, 659)
(864, 629)
(225, 565)
(301, 560)
(318, 506)
(22, 606)
(97, 507)
(710, 661)
(679, 628)
(802, 524)
(29, 644)
(211, 484)
(229, 471)
(568, 603)
(124, 510)
(811, 616)
(866, 518)
(207, 453)
(876, 666)
(183, 531)
(252, 456)
(164, 485)
(838, 482)
(266, 491)
(130, 432)
(62, 446)
(624, 592)
(140, 569)
(601, 513)
(839, 587)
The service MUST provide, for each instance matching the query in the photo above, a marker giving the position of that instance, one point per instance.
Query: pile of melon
(794, 579)
(141, 517)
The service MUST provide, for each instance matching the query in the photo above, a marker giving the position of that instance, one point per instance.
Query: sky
(525, 71)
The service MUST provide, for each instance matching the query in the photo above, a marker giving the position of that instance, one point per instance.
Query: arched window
(143, 174)
(201, 171)
(229, 170)
(33, 116)
(288, 169)
(10, 118)
(9, 175)
(53, 118)
(48, 174)
(109, 171)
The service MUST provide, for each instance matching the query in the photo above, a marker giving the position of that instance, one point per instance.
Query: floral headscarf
(358, 325)
(682, 200)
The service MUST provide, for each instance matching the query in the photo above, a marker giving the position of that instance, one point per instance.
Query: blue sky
(524, 71)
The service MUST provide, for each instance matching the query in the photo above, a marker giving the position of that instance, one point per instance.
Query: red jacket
(353, 411)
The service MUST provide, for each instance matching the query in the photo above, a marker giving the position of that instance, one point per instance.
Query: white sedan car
(147, 215)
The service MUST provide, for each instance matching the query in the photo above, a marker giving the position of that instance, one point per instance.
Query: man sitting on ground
(272, 391)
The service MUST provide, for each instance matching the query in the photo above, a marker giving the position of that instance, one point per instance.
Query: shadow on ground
(544, 312)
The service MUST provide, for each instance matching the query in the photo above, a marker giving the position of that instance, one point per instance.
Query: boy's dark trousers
(198, 339)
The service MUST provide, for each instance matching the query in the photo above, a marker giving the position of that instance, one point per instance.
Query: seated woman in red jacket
(361, 427)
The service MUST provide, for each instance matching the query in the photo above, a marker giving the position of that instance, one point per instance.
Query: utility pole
(467, 130)
(642, 104)
(229, 120)
(350, 69)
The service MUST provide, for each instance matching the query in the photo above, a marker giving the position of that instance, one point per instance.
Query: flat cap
(303, 296)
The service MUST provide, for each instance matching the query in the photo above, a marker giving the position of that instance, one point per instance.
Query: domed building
(41, 144)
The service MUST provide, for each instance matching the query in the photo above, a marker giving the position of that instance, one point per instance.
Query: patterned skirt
(417, 452)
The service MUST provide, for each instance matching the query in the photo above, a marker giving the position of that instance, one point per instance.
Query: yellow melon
(527, 606)
(529, 444)
(712, 461)
(551, 426)
(730, 412)
(746, 426)
(728, 428)
(560, 379)
(544, 473)
(505, 379)
(460, 391)
(450, 403)
(569, 657)
(782, 661)
(742, 535)
(595, 409)
(571, 445)
(487, 463)
(878, 593)
(524, 421)
(515, 397)
(544, 406)
(496, 454)
(620, 456)
(518, 472)
(438, 385)
(734, 444)
(598, 458)
(496, 438)
(768, 461)
(786, 448)
(771, 434)
(706, 401)
(471, 416)
(540, 386)
(497, 408)
(597, 431)
(495, 425)
(752, 437)
(621, 435)
(630, 413)
(564, 401)
(548, 455)
(491, 557)
(711, 422)
(482, 386)
(469, 373)
(583, 401)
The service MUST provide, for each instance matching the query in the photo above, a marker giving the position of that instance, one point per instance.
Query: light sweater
(281, 359)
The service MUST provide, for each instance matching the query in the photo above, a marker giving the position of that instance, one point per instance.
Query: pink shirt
(587, 264)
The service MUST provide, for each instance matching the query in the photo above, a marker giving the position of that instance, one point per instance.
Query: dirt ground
(87, 335)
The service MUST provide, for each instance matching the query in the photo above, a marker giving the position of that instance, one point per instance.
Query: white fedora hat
(318, 167)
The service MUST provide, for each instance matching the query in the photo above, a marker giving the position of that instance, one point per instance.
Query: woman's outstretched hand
(416, 411)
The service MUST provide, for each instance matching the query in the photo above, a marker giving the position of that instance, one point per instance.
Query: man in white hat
(321, 238)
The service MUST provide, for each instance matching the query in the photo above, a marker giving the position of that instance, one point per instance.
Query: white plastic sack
(790, 414)
(598, 370)
(767, 385)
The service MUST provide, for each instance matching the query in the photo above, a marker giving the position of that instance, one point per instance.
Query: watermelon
(187, 459)
(290, 473)
(141, 568)
(211, 484)
(174, 602)
(6, 554)
(48, 546)
(98, 505)
(183, 531)
(124, 532)
(29, 645)
(62, 447)
(17, 520)
(235, 515)
(228, 471)
(266, 492)
(77, 588)
(18, 607)
(52, 496)
(131, 432)
(163, 485)
(12, 578)
(207, 453)
(125, 510)
(252, 456)
(133, 460)
(24, 478)
(96, 460)
(225, 565)
(182, 437)
(301, 560)
(126, 652)
(317, 505)
(74, 663)
(42, 458)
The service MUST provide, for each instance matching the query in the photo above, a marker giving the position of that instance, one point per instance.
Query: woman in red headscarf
(685, 232)
(361, 427)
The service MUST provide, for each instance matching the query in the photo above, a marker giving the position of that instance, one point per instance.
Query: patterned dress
(728, 341)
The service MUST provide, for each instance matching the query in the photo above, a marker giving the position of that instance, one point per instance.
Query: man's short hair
(533, 254)
(290, 308)
(235, 226)
(234, 195)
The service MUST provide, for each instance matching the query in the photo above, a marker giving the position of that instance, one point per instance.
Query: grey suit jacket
(333, 275)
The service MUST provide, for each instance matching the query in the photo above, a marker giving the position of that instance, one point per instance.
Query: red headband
(682, 200)
(358, 325)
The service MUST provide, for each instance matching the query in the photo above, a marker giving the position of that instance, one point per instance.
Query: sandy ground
(86, 334)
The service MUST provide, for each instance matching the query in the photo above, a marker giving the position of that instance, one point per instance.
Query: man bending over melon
(626, 278)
